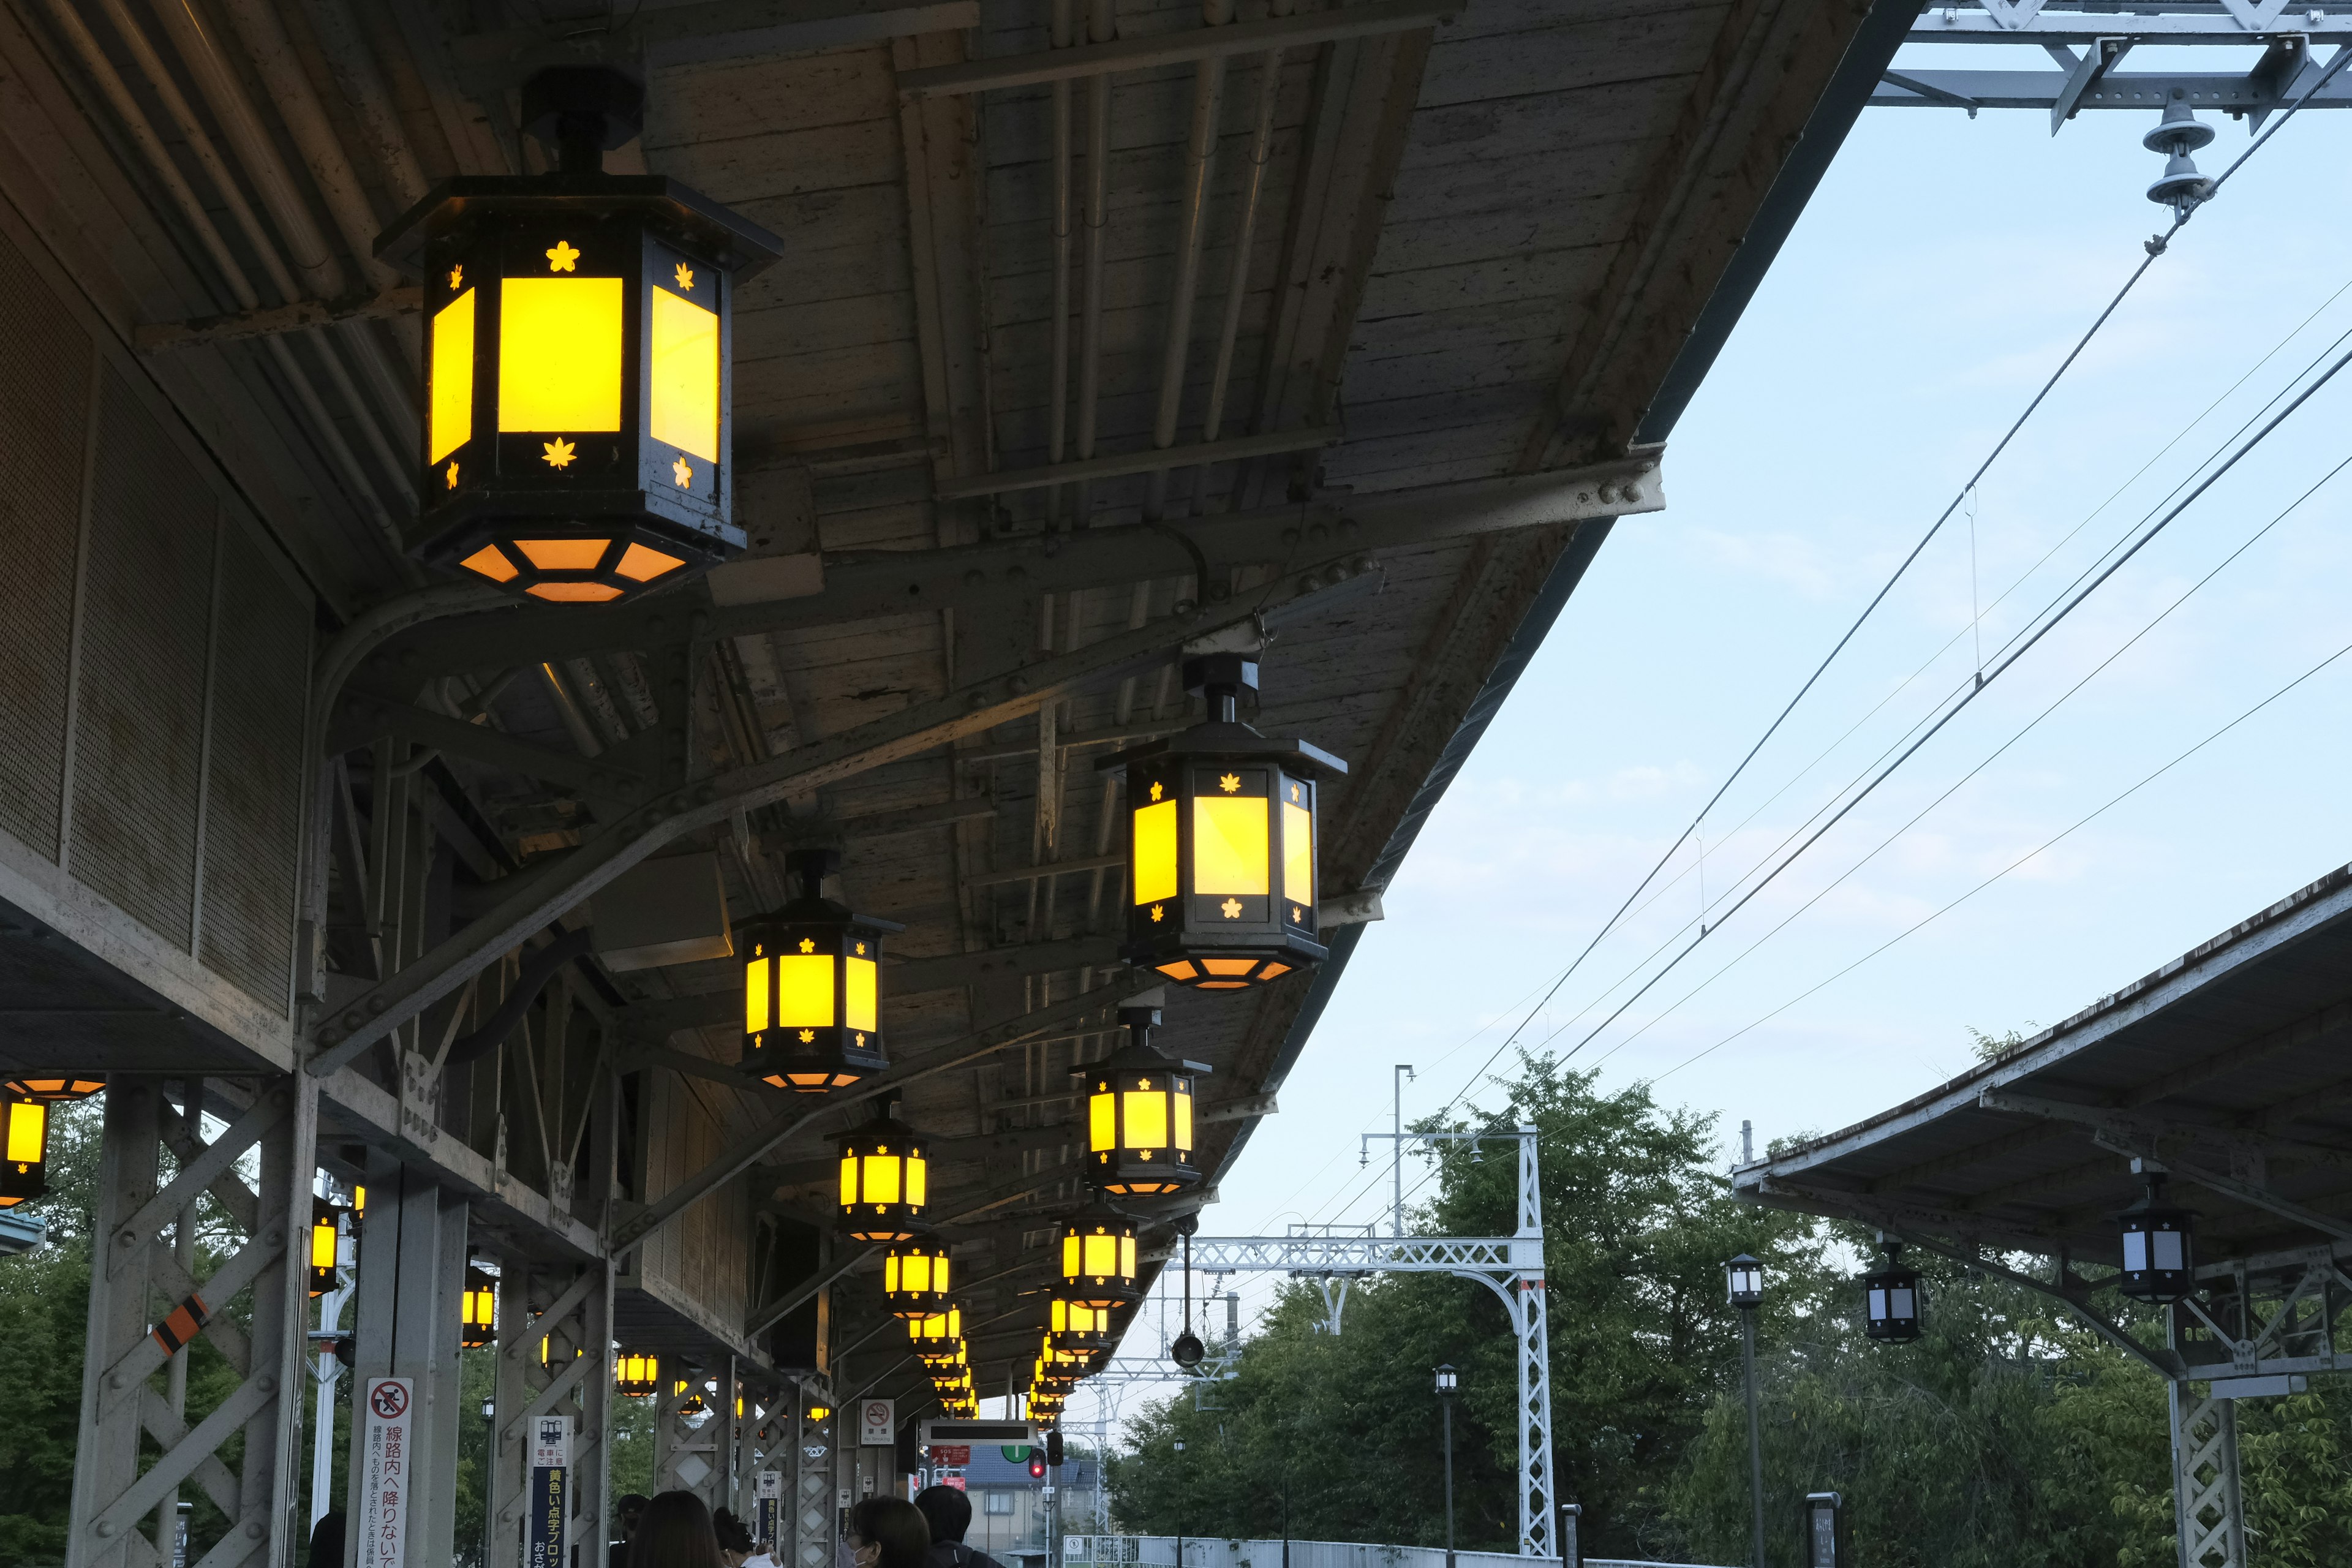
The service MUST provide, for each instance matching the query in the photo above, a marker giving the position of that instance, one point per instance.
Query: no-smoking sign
(877, 1423)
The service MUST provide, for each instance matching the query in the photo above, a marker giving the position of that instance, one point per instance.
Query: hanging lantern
(1077, 1328)
(2158, 1266)
(1743, 1279)
(915, 1278)
(818, 1410)
(326, 1235)
(635, 1373)
(1221, 843)
(1098, 1258)
(1048, 1374)
(939, 1336)
(1891, 1298)
(25, 1141)
(884, 1180)
(477, 1323)
(547, 1357)
(54, 1088)
(1140, 1112)
(576, 412)
(812, 993)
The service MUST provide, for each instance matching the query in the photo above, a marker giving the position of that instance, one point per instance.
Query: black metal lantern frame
(885, 1179)
(915, 1278)
(937, 1340)
(1139, 1113)
(812, 986)
(24, 1148)
(1743, 1279)
(2160, 1262)
(1083, 1329)
(1222, 874)
(54, 1088)
(1891, 1298)
(1095, 1249)
(477, 1318)
(576, 426)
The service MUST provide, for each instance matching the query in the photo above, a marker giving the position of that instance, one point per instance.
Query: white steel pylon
(1512, 1266)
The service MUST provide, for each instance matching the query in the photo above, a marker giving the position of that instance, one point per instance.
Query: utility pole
(1404, 1071)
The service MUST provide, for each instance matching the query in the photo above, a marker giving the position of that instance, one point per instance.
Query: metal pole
(1447, 1405)
(1755, 1431)
(1396, 1148)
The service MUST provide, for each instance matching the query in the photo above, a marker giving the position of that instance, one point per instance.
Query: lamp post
(489, 1467)
(1448, 1380)
(1744, 1275)
(1180, 1503)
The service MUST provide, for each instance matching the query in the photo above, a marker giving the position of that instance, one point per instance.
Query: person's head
(734, 1536)
(628, 1510)
(675, 1531)
(947, 1511)
(327, 1540)
(888, 1533)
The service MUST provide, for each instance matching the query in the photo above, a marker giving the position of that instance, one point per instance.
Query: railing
(1214, 1552)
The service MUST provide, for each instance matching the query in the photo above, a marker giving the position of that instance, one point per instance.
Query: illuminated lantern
(1085, 1329)
(326, 1233)
(884, 1180)
(547, 1347)
(818, 1410)
(54, 1088)
(1139, 1113)
(478, 1321)
(576, 417)
(1221, 843)
(1097, 1248)
(937, 1338)
(2158, 1266)
(1891, 1298)
(25, 1139)
(812, 992)
(915, 1278)
(635, 1373)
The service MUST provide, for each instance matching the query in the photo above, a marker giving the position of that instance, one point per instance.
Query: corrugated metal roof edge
(2298, 914)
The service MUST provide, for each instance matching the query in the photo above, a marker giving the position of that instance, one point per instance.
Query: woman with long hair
(675, 1531)
(888, 1533)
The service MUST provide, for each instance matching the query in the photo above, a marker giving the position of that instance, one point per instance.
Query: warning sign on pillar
(385, 1420)
(550, 1499)
(877, 1423)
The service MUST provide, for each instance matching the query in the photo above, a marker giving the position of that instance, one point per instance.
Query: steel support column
(2209, 1509)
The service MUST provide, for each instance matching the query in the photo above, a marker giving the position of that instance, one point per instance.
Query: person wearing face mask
(888, 1533)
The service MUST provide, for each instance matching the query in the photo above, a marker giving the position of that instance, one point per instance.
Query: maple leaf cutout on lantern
(560, 452)
(456, 276)
(560, 260)
(453, 474)
(1156, 911)
(808, 1036)
(685, 277)
(1230, 783)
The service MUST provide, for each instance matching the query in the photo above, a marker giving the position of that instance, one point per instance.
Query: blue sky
(1942, 271)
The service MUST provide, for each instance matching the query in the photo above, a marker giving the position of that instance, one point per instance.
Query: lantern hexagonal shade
(575, 419)
(1139, 1113)
(24, 1146)
(324, 1235)
(884, 1180)
(635, 1373)
(1077, 1328)
(939, 1338)
(1221, 868)
(477, 1315)
(54, 1088)
(1096, 1253)
(915, 1278)
(1890, 1299)
(2159, 1265)
(812, 987)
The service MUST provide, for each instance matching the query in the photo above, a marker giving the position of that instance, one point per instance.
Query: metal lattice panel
(139, 713)
(253, 786)
(45, 408)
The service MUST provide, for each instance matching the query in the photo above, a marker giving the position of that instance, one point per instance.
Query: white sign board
(772, 1483)
(551, 1443)
(385, 1418)
(877, 1423)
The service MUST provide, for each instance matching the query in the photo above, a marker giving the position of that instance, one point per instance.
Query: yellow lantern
(325, 1233)
(812, 987)
(1139, 1113)
(635, 1373)
(1077, 1328)
(1097, 1254)
(477, 1318)
(54, 1088)
(25, 1143)
(937, 1338)
(576, 417)
(1052, 1377)
(915, 1278)
(884, 1180)
(1221, 843)
(547, 1347)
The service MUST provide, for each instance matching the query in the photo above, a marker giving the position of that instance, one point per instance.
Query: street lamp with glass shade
(1744, 1285)
(575, 413)
(915, 1278)
(478, 1314)
(812, 986)
(1891, 1298)
(1140, 1116)
(1447, 1382)
(1222, 876)
(2159, 1260)
(885, 1179)
(1096, 1250)
(1744, 1280)
(635, 1373)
